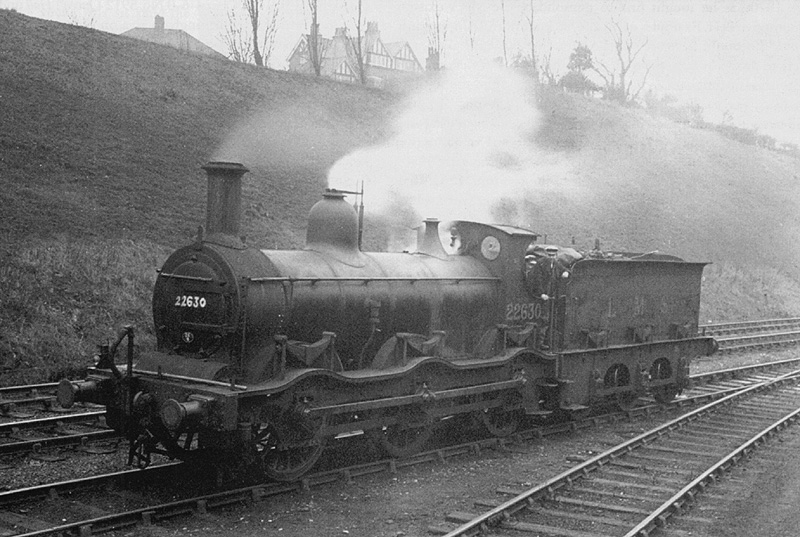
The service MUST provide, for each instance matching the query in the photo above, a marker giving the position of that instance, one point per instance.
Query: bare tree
(254, 11)
(437, 34)
(619, 82)
(505, 51)
(548, 76)
(359, 45)
(237, 41)
(315, 47)
(471, 32)
(534, 67)
(76, 20)
(243, 46)
(253, 8)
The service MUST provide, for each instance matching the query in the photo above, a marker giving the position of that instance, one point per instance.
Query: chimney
(430, 243)
(432, 61)
(159, 23)
(224, 198)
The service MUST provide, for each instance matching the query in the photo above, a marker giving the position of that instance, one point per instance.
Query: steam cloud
(463, 146)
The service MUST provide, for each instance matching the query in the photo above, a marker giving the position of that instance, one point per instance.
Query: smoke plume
(462, 148)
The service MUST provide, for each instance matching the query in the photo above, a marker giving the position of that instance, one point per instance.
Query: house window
(379, 60)
(406, 65)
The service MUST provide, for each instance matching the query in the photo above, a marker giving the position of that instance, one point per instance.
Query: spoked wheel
(502, 420)
(618, 376)
(661, 370)
(408, 432)
(289, 450)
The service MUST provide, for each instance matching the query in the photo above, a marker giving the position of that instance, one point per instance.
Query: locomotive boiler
(269, 354)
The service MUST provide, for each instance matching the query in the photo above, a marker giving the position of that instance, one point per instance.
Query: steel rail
(526, 498)
(699, 379)
(739, 325)
(658, 518)
(38, 423)
(50, 489)
(56, 441)
(734, 343)
(31, 388)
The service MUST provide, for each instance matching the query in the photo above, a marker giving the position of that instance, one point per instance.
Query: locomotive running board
(421, 397)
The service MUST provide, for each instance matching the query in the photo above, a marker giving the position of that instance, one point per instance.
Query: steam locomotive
(265, 355)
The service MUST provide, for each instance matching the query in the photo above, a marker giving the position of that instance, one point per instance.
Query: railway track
(707, 386)
(749, 335)
(58, 431)
(744, 327)
(31, 420)
(132, 508)
(635, 487)
(13, 397)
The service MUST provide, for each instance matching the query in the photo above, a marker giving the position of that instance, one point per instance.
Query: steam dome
(333, 228)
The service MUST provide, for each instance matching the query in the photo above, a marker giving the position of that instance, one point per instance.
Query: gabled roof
(402, 50)
(342, 48)
(393, 49)
(172, 38)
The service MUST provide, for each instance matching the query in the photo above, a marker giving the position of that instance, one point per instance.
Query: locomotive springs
(263, 356)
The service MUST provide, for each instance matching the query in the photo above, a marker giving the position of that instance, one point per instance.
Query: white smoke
(460, 146)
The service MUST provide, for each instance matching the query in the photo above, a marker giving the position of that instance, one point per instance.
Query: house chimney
(159, 23)
(224, 198)
(432, 61)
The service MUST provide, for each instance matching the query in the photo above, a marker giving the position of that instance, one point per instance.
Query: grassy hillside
(102, 139)
(104, 135)
(652, 184)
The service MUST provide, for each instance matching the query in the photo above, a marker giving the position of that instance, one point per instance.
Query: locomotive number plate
(523, 311)
(189, 301)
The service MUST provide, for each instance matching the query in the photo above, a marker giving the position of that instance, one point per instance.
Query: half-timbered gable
(383, 62)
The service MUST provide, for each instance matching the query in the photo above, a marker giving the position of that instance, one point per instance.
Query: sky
(735, 58)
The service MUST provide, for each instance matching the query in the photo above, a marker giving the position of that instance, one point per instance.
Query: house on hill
(172, 38)
(383, 62)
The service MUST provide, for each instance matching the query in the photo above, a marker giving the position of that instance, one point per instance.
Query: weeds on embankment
(59, 299)
(733, 293)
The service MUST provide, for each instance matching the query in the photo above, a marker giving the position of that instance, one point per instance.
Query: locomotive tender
(267, 354)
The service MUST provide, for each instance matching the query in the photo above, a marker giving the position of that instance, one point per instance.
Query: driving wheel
(289, 450)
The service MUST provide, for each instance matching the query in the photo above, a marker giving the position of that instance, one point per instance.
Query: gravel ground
(415, 498)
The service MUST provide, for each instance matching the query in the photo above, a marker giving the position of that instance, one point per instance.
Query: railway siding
(636, 486)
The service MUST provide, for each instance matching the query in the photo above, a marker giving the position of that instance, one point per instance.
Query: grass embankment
(733, 293)
(61, 298)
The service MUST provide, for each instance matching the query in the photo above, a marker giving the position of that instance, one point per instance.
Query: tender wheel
(407, 432)
(618, 376)
(503, 420)
(664, 394)
(661, 370)
(288, 450)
